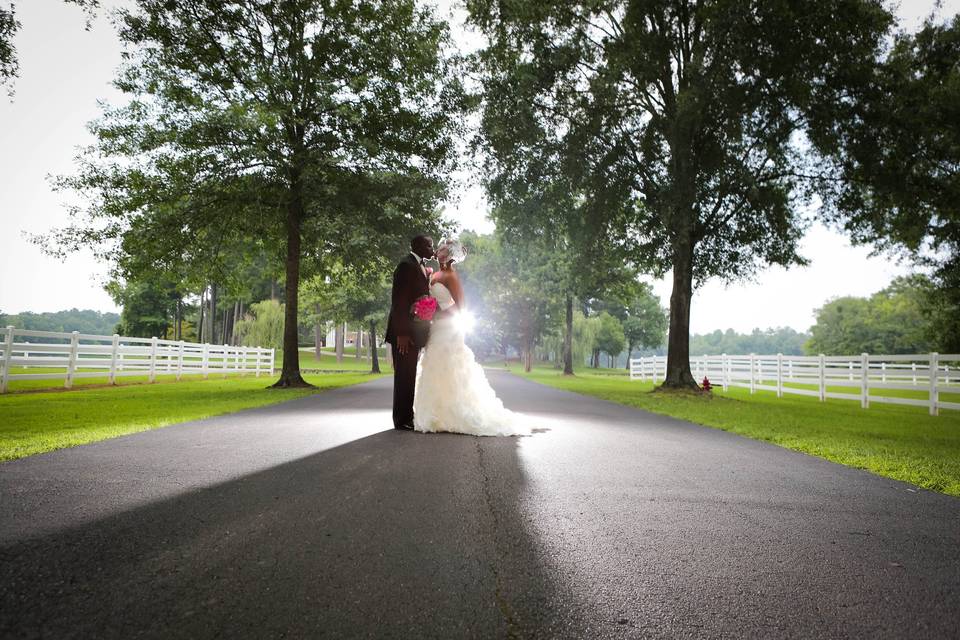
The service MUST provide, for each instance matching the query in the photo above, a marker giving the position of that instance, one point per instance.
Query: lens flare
(466, 321)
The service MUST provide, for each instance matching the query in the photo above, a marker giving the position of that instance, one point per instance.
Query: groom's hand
(403, 344)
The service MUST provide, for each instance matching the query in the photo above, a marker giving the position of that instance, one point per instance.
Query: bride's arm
(456, 290)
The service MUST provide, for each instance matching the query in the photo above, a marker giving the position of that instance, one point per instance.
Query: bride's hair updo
(455, 251)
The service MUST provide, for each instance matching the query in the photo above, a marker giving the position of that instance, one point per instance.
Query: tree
(897, 150)
(677, 123)
(609, 339)
(518, 290)
(262, 326)
(890, 321)
(9, 26)
(645, 325)
(322, 130)
(149, 307)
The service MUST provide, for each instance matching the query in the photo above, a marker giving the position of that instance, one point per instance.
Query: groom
(410, 281)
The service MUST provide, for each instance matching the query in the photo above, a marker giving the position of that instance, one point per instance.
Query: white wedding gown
(452, 392)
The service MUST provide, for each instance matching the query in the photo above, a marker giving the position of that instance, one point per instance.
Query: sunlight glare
(466, 320)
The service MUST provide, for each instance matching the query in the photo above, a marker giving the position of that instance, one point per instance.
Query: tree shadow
(392, 535)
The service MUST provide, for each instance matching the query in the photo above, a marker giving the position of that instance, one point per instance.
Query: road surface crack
(509, 616)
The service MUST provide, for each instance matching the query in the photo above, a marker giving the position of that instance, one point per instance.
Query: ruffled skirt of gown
(452, 392)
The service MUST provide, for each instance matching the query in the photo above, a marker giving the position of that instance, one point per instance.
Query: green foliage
(584, 336)
(148, 308)
(300, 130)
(673, 125)
(609, 337)
(897, 149)
(263, 326)
(890, 321)
(85, 321)
(783, 340)
(512, 288)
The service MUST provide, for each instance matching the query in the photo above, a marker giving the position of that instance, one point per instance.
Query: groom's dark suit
(409, 283)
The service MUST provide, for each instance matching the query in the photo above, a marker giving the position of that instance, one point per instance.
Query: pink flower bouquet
(424, 308)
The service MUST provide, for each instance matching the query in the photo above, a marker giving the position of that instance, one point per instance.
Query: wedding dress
(452, 392)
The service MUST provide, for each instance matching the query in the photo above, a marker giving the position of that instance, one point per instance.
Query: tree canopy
(676, 124)
(321, 132)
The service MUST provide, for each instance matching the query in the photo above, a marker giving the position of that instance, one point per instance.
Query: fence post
(934, 391)
(72, 361)
(823, 382)
(751, 374)
(883, 372)
(113, 358)
(913, 367)
(723, 371)
(226, 359)
(653, 361)
(180, 349)
(850, 367)
(7, 356)
(153, 358)
(205, 361)
(779, 375)
(864, 381)
(272, 360)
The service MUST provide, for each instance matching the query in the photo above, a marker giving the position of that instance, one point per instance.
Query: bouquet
(423, 309)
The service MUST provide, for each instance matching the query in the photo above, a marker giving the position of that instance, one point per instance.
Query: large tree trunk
(374, 360)
(568, 339)
(317, 329)
(176, 320)
(290, 374)
(338, 340)
(201, 334)
(212, 314)
(678, 342)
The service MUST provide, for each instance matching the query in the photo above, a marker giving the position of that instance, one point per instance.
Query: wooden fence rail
(93, 356)
(844, 377)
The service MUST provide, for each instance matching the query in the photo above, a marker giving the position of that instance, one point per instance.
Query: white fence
(928, 375)
(92, 356)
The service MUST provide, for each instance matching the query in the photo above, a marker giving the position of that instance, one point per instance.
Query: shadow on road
(393, 535)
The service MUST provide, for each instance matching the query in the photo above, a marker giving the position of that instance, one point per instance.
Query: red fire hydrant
(706, 384)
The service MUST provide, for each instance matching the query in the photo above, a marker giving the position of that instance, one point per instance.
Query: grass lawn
(328, 361)
(32, 423)
(904, 443)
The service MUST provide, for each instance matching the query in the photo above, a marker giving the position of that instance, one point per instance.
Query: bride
(452, 392)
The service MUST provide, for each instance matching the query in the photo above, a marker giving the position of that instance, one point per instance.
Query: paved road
(312, 519)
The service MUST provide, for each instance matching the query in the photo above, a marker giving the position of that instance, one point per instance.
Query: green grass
(32, 423)
(328, 361)
(904, 443)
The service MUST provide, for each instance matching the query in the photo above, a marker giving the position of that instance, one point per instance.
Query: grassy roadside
(32, 423)
(904, 443)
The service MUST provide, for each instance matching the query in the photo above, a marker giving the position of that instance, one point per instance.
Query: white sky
(65, 70)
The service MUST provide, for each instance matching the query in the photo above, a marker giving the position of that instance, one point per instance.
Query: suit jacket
(409, 283)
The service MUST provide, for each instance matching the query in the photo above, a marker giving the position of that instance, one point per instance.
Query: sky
(65, 70)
